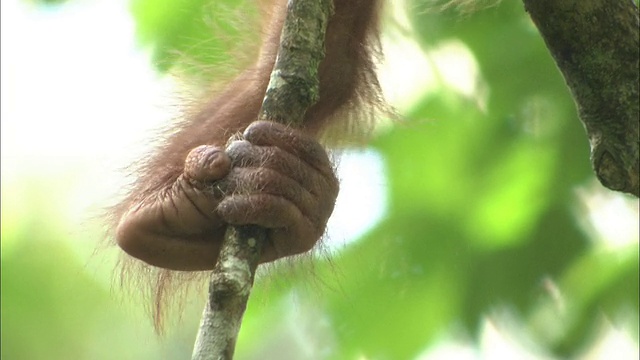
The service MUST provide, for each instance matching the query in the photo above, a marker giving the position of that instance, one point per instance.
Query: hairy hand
(274, 177)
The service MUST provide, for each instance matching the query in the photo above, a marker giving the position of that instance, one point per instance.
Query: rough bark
(293, 88)
(294, 85)
(596, 47)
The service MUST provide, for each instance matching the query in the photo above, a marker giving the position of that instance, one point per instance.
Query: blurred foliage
(56, 299)
(482, 210)
(36, 305)
(48, 2)
(195, 36)
(482, 216)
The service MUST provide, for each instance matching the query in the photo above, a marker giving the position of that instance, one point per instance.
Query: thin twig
(293, 88)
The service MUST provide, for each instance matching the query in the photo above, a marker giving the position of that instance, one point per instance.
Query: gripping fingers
(283, 181)
(267, 133)
(290, 232)
(248, 155)
(251, 181)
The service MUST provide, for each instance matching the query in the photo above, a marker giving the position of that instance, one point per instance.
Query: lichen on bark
(595, 44)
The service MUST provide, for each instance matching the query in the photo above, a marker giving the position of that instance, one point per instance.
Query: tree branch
(596, 46)
(293, 88)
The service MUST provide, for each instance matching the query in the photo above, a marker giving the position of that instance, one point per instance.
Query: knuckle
(205, 163)
(237, 148)
(258, 128)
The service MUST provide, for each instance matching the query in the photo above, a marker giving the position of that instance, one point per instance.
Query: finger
(291, 233)
(279, 244)
(252, 181)
(188, 210)
(206, 163)
(246, 155)
(267, 133)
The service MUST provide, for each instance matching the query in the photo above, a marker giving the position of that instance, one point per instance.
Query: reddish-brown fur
(275, 177)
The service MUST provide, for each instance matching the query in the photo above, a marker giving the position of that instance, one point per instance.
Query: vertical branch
(595, 44)
(294, 85)
(293, 88)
